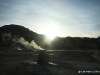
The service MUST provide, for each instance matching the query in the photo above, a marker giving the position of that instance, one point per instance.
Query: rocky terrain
(59, 64)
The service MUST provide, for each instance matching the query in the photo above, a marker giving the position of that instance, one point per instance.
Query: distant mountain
(29, 38)
(20, 31)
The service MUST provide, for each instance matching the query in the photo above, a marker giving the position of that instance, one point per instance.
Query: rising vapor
(7, 36)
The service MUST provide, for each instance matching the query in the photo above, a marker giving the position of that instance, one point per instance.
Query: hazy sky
(70, 17)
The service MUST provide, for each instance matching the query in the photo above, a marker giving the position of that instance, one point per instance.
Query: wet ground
(62, 63)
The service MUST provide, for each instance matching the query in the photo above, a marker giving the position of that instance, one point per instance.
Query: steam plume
(7, 36)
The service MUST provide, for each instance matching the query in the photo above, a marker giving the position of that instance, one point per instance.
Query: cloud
(77, 15)
(97, 27)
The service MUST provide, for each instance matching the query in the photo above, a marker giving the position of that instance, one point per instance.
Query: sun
(51, 32)
(50, 35)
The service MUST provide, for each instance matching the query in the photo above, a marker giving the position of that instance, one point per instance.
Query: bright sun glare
(51, 32)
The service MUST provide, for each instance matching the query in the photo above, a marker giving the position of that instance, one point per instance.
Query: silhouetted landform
(19, 32)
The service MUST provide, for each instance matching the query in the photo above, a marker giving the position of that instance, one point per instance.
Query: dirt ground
(64, 63)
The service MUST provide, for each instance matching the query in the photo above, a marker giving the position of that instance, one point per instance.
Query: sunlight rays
(51, 31)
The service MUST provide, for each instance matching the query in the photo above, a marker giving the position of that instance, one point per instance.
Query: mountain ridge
(57, 43)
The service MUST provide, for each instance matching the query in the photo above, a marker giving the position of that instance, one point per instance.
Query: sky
(75, 18)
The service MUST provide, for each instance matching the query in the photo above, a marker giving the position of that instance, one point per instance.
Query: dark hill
(19, 30)
(72, 43)
(22, 32)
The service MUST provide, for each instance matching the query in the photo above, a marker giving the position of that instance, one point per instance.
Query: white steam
(7, 36)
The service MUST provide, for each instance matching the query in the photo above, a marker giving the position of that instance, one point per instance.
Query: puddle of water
(49, 54)
(33, 62)
(52, 63)
(53, 54)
